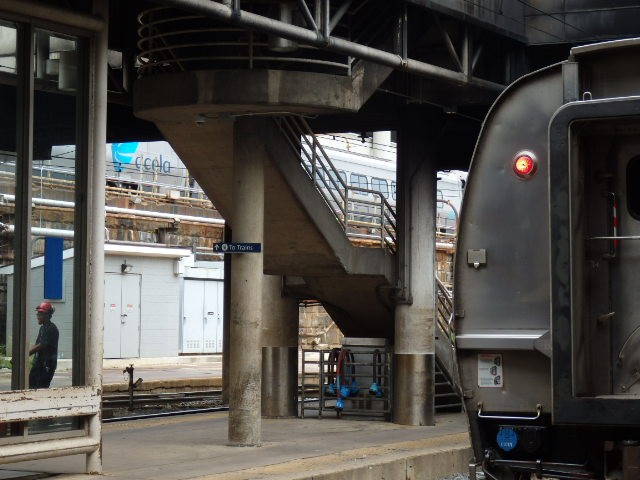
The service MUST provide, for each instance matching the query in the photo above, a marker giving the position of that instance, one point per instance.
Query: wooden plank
(22, 405)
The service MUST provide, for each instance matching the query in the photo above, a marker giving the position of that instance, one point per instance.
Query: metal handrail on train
(180, 41)
(340, 197)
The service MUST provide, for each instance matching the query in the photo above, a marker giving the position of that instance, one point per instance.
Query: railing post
(382, 223)
(346, 210)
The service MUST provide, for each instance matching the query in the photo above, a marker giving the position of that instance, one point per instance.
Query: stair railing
(445, 312)
(446, 336)
(357, 209)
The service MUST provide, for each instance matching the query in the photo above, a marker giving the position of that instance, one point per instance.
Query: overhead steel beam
(249, 20)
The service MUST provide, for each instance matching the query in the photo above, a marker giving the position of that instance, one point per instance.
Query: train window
(359, 181)
(393, 190)
(633, 193)
(335, 179)
(380, 185)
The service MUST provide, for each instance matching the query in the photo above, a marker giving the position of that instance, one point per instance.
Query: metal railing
(175, 41)
(445, 312)
(358, 210)
(446, 336)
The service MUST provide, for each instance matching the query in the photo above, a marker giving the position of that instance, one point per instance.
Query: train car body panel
(547, 273)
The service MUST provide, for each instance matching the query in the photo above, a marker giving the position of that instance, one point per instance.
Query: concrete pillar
(279, 351)
(226, 317)
(414, 351)
(245, 358)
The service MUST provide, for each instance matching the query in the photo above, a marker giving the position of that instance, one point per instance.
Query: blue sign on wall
(53, 268)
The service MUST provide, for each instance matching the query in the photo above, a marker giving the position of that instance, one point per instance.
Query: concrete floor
(194, 447)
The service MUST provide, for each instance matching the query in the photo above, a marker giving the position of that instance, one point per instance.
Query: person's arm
(36, 348)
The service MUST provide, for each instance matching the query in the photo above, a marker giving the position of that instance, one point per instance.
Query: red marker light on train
(525, 164)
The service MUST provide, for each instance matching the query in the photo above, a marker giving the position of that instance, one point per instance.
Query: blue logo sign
(507, 438)
(123, 154)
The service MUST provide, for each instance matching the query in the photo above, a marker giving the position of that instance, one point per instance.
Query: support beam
(414, 351)
(252, 21)
(245, 355)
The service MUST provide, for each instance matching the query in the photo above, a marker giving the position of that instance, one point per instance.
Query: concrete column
(279, 351)
(245, 358)
(226, 317)
(414, 351)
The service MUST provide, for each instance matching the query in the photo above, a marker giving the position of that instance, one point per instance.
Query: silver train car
(547, 277)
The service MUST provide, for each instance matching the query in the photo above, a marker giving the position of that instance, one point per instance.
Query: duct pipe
(127, 211)
(40, 232)
(270, 26)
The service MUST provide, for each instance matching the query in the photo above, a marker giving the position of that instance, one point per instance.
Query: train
(547, 311)
(360, 161)
(369, 163)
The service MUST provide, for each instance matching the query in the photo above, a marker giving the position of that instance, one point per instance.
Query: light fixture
(525, 164)
(125, 267)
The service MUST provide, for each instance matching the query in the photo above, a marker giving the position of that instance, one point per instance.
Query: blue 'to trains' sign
(228, 247)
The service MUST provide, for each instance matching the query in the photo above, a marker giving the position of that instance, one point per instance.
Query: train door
(202, 316)
(625, 274)
(607, 340)
(595, 262)
(122, 316)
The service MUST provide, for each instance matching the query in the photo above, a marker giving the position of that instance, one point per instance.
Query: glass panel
(633, 192)
(380, 185)
(8, 136)
(359, 181)
(335, 179)
(52, 327)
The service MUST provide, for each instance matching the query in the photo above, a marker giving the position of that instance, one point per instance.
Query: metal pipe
(307, 14)
(168, 216)
(127, 211)
(97, 132)
(41, 232)
(268, 25)
(53, 14)
(339, 14)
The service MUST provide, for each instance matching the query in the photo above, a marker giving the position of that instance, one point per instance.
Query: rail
(446, 337)
(445, 312)
(357, 210)
(176, 41)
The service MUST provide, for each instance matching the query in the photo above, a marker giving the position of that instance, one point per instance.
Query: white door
(202, 316)
(121, 316)
(212, 331)
(192, 316)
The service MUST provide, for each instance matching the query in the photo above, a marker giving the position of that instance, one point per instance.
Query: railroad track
(111, 401)
(120, 407)
(115, 407)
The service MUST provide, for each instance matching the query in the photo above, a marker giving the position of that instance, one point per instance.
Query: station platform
(195, 446)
